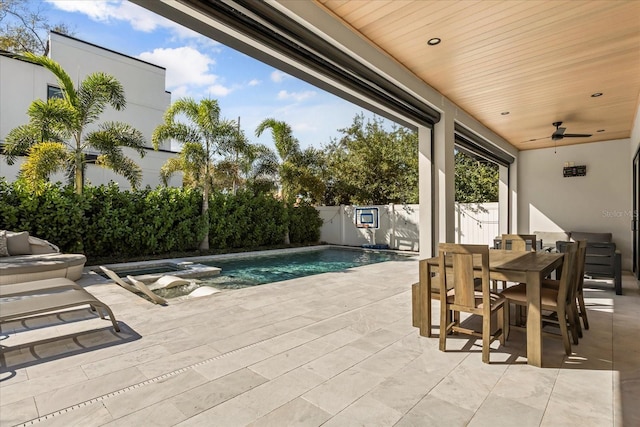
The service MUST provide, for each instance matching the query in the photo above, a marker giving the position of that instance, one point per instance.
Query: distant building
(144, 86)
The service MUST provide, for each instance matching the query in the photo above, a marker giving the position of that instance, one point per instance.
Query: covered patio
(339, 348)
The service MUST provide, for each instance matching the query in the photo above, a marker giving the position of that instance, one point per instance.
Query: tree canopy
(371, 165)
(476, 181)
(24, 26)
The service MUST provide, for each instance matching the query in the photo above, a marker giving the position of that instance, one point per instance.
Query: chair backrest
(581, 256)
(566, 288)
(458, 262)
(520, 242)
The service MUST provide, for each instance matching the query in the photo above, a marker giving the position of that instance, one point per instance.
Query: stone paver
(335, 349)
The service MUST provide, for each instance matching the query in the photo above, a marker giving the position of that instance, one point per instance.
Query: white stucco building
(144, 85)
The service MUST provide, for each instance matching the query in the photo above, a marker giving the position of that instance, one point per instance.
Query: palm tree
(204, 135)
(295, 173)
(55, 139)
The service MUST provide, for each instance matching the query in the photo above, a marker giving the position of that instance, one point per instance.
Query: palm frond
(66, 84)
(122, 165)
(97, 91)
(45, 158)
(114, 134)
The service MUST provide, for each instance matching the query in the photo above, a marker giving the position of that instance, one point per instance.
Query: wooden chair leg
(507, 320)
(486, 338)
(444, 328)
(562, 322)
(583, 311)
(502, 321)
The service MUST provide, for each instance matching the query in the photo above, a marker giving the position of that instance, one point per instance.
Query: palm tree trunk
(204, 244)
(78, 175)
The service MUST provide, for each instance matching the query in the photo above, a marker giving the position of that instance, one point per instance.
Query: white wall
(601, 201)
(144, 85)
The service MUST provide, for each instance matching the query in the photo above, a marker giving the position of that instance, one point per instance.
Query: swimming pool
(239, 271)
(242, 272)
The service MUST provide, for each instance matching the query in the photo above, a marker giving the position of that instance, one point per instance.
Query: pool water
(243, 272)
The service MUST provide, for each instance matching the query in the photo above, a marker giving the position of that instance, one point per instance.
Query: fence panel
(399, 228)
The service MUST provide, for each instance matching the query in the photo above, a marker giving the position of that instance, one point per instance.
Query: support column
(504, 222)
(444, 195)
(425, 193)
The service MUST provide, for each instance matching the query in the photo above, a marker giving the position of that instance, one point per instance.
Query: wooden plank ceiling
(538, 61)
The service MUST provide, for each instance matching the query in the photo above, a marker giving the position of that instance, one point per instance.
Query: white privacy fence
(474, 223)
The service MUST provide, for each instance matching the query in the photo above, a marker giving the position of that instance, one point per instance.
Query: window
(54, 92)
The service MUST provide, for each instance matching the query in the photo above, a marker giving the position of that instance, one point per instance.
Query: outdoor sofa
(25, 258)
(603, 259)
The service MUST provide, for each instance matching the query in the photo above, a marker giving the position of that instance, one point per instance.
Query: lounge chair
(166, 282)
(44, 296)
(135, 287)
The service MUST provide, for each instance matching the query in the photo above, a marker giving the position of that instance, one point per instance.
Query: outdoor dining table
(505, 265)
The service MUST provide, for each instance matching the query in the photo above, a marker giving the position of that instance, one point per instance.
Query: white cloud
(254, 82)
(297, 96)
(219, 90)
(185, 66)
(277, 76)
(138, 17)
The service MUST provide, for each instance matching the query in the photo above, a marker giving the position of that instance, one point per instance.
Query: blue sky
(199, 67)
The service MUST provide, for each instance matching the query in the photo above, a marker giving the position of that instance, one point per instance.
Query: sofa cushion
(4, 251)
(591, 237)
(18, 243)
(41, 246)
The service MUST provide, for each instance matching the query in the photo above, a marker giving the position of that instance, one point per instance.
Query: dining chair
(558, 300)
(435, 289)
(579, 308)
(519, 242)
(461, 296)
(516, 242)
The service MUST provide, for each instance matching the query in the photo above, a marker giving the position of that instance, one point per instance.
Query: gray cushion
(18, 243)
(4, 251)
(591, 237)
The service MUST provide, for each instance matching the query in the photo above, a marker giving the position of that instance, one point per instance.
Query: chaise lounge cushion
(18, 243)
(24, 268)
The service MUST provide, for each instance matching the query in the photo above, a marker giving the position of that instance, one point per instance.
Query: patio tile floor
(336, 349)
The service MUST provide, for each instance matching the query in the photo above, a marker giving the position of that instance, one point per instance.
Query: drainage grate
(138, 385)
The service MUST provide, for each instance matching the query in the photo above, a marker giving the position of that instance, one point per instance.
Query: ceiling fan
(559, 134)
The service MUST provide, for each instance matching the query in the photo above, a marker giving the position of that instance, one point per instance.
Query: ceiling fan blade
(559, 132)
(577, 135)
(535, 139)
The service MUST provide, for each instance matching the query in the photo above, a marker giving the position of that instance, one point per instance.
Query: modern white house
(144, 85)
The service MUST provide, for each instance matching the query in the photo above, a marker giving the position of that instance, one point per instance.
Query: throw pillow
(18, 243)
(3, 243)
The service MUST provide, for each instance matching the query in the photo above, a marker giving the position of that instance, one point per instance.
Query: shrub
(107, 222)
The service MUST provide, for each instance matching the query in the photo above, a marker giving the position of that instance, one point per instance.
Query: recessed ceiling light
(597, 94)
(434, 41)
(600, 130)
(505, 113)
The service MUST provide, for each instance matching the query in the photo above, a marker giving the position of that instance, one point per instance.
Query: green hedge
(105, 221)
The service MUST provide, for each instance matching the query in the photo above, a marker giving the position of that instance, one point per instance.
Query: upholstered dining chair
(558, 301)
(461, 296)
